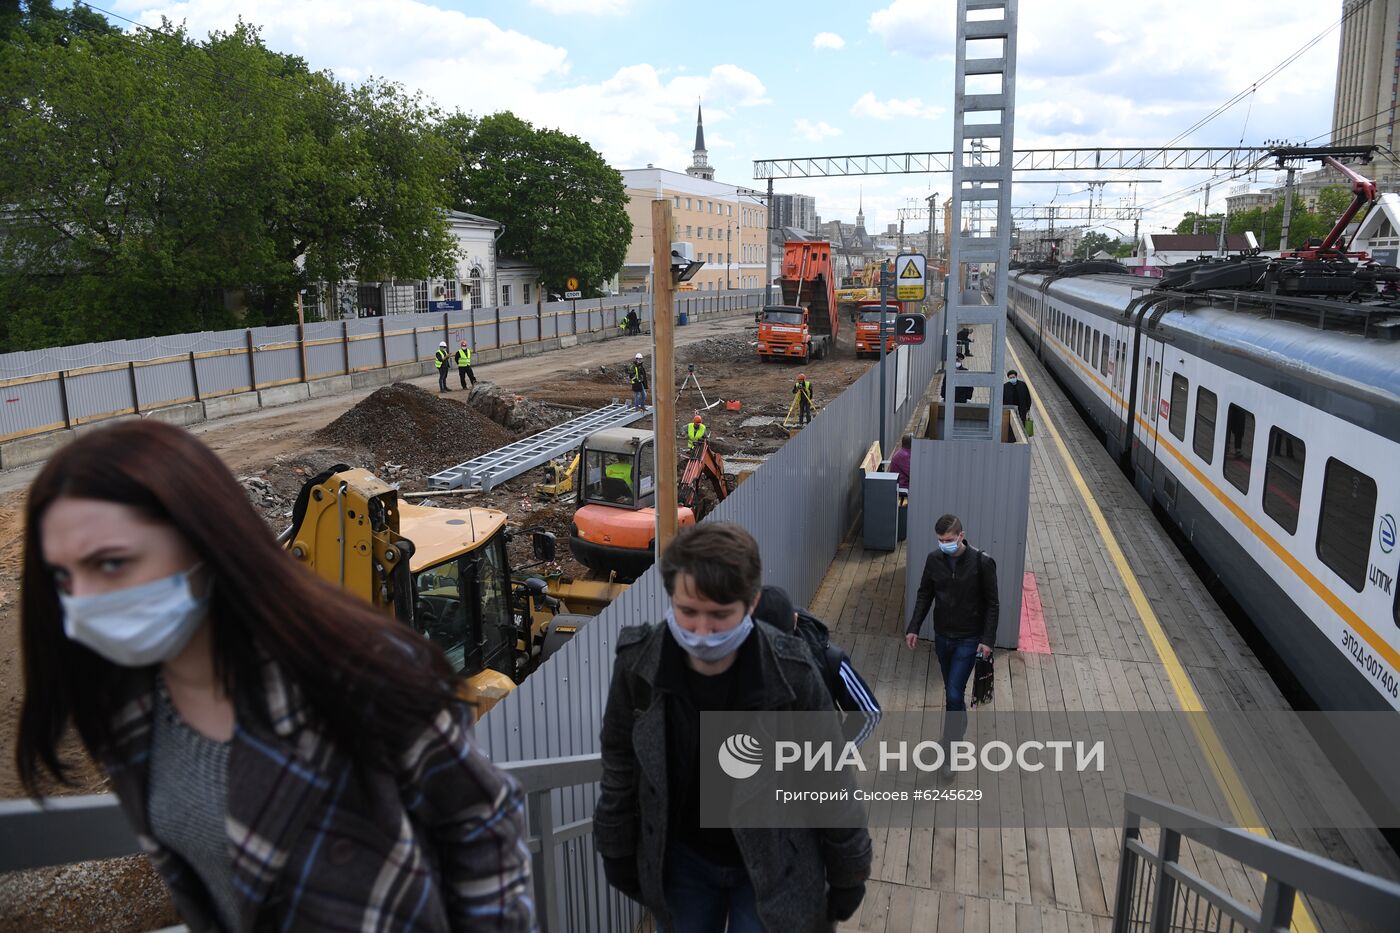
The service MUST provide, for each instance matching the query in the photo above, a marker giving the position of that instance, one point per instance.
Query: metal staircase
(981, 221)
(490, 470)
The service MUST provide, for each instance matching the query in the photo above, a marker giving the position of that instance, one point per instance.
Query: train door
(1149, 391)
(1120, 419)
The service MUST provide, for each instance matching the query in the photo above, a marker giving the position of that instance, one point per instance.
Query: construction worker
(695, 432)
(440, 360)
(620, 472)
(464, 364)
(802, 392)
(638, 374)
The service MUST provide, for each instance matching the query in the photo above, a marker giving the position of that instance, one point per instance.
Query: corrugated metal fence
(45, 390)
(799, 505)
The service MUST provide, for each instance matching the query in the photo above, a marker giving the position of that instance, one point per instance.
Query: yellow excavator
(445, 572)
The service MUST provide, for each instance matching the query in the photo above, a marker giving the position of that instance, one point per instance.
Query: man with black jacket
(960, 582)
(708, 655)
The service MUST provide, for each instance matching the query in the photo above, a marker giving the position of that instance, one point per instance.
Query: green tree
(1094, 241)
(159, 185)
(564, 208)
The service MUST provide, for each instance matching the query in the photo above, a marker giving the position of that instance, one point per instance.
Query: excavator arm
(704, 464)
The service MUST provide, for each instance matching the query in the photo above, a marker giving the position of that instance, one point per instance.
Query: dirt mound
(516, 412)
(406, 425)
(730, 348)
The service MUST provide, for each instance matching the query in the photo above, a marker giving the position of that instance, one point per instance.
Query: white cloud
(920, 27)
(814, 132)
(638, 114)
(894, 108)
(590, 7)
(828, 40)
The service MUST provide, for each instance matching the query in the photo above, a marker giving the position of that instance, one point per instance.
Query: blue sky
(625, 75)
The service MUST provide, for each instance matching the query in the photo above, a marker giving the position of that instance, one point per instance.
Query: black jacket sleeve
(987, 577)
(925, 597)
(615, 816)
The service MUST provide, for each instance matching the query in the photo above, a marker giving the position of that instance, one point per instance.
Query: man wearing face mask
(1015, 392)
(960, 583)
(708, 655)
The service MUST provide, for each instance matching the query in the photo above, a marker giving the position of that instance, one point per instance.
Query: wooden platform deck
(1102, 658)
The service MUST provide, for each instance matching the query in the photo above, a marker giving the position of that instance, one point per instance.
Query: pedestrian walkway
(1102, 647)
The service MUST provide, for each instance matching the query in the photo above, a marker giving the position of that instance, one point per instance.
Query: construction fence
(63, 387)
(799, 505)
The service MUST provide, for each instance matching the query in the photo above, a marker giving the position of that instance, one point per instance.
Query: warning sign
(910, 271)
(572, 284)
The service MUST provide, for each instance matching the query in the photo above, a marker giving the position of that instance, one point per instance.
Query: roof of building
(647, 179)
(1196, 242)
(464, 217)
(1385, 214)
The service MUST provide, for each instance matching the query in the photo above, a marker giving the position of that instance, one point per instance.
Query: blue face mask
(713, 647)
(139, 625)
(948, 547)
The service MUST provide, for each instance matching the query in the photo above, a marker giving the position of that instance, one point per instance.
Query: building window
(1345, 522)
(1180, 397)
(687, 231)
(1203, 436)
(677, 201)
(1239, 447)
(420, 296)
(505, 295)
(687, 203)
(449, 289)
(476, 287)
(1283, 478)
(525, 292)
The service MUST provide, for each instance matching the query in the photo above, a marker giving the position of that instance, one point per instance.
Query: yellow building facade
(725, 228)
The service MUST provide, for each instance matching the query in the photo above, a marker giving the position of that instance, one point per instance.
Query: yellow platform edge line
(1241, 804)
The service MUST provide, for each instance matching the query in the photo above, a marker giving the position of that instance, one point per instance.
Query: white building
(1168, 249)
(1379, 233)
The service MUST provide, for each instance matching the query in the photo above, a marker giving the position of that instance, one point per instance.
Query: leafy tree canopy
(1266, 223)
(564, 208)
(154, 184)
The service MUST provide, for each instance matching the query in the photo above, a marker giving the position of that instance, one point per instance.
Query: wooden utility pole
(663, 374)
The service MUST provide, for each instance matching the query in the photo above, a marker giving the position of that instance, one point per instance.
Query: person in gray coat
(709, 655)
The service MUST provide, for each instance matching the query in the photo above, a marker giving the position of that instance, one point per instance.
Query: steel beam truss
(1170, 158)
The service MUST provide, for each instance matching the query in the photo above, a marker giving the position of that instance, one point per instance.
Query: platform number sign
(910, 329)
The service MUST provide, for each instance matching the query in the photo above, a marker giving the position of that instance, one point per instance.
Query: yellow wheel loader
(445, 572)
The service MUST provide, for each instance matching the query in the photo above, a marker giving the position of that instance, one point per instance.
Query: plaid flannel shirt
(436, 843)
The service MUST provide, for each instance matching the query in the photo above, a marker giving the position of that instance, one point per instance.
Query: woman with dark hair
(287, 755)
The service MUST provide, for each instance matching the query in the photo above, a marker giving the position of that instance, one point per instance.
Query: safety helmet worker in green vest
(802, 394)
(695, 432)
(464, 364)
(440, 361)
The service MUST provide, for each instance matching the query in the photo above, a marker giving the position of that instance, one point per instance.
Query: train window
(1180, 390)
(1146, 384)
(1283, 478)
(1344, 526)
(1239, 447)
(1103, 357)
(1094, 350)
(1203, 435)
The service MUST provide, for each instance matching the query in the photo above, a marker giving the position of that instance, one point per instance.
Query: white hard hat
(442, 343)
(637, 357)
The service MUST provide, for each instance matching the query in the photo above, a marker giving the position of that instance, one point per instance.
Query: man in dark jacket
(960, 582)
(709, 655)
(637, 375)
(1016, 392)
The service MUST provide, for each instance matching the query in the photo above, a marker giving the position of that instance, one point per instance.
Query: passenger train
(1268, 429)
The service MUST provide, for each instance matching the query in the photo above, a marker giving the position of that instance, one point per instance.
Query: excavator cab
(444, 572)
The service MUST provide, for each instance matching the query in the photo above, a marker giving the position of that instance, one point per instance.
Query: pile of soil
(516, 412)
(405, 425)
(729, 348)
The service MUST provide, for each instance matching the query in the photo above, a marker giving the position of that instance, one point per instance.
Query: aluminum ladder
(490, 470)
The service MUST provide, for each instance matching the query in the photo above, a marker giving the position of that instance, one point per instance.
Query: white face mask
(712, 647)
(139, 625)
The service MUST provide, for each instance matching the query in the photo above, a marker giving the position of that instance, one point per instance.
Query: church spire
(700, 157)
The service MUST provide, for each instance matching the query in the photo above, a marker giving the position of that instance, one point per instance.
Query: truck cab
(804, 325)
(868, 326)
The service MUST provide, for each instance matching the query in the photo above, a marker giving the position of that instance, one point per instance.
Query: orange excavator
(614, 527)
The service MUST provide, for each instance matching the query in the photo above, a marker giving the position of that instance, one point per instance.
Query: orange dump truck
(868, 326)
(804, 326)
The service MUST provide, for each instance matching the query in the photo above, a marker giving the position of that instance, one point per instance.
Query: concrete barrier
(182, 415)
(37, 449)
(227, 405)
(283, 395)
(332, 385)
(570, 341)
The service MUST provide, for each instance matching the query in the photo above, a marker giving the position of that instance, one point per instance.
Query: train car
(1267, 428)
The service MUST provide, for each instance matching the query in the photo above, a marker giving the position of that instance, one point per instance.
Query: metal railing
(1157, 893)
(79, 829)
